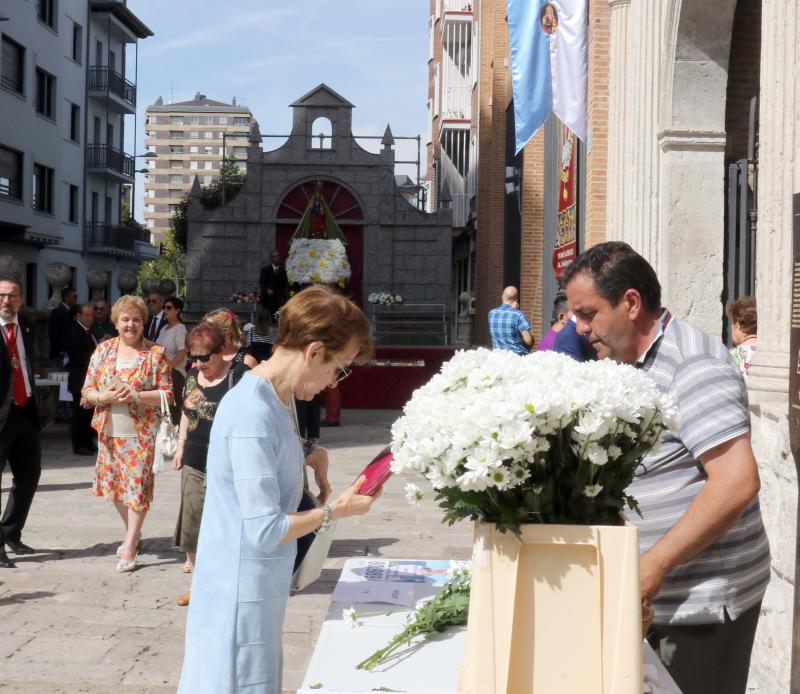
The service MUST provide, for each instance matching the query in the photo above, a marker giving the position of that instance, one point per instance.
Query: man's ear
(634, 303)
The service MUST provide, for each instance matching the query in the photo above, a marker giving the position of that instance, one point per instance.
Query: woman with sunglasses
(206, 383)
(173, 339)
(247, 545)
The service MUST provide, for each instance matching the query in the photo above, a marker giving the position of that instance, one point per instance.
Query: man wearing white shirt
(19, 420)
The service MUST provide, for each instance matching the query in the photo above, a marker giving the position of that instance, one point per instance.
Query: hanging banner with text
(566, 227)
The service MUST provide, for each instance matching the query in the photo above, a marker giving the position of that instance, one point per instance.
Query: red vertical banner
(566, 227)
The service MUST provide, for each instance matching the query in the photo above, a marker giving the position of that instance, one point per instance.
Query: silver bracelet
(328, 521)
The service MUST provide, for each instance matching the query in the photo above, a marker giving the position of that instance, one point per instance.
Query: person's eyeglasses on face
(202, 358)
(342, 372)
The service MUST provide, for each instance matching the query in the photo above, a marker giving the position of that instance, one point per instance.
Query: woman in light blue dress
(246, 549)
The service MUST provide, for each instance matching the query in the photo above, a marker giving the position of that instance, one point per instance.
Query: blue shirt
(505, 325)
(573, 345)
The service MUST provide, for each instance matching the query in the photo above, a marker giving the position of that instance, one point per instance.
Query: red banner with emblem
(566, 228)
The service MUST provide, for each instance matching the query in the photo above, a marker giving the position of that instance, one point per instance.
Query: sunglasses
(168, 308)
(342, 372)
(202, 358)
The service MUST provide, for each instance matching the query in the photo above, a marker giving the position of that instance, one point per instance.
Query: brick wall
(532, 262)
(743, 75)
(494, 94)
(597, 154)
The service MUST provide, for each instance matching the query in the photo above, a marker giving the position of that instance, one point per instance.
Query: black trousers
(21, 448)
(81, 429)
(308, 416)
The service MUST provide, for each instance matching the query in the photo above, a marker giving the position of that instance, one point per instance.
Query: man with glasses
(157, 320)
(102, 328)
(19, 420)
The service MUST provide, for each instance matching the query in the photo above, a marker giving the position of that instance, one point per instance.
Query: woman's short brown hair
(228, 324)
(320, 314)
(128, 302)
(206, 334)
(743, 312)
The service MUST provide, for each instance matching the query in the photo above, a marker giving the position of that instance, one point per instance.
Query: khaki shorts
(193, 495)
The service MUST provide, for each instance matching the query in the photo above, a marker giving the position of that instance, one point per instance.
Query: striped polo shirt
(732, 574)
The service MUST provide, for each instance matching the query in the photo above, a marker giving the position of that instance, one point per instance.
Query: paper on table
(393, 581)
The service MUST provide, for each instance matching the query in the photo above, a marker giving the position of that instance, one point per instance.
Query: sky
(267, 53)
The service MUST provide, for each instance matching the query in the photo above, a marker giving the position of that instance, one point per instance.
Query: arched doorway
(348, 215)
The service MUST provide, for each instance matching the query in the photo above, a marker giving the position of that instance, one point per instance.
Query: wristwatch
(328, 521)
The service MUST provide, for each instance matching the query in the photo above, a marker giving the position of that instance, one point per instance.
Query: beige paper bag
(558, 613)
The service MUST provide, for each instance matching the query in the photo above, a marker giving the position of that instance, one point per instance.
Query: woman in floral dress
(206, 383)
(123, 382)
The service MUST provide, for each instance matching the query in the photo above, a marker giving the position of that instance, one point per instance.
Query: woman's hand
(177, 460)
(317, 460)
(112, 395)
(129, 395)
(351, 503)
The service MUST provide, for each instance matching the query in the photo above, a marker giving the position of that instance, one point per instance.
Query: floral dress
(124, 469)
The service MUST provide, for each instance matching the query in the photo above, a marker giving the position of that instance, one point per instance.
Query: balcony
(109, 160)
(111, 239)
(10, 188)
(457, 103)
(461, 6)
(104, 82)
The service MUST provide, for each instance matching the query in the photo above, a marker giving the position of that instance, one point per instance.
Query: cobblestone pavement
(70, 623)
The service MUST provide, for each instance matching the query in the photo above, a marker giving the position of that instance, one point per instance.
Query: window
(42, 188)
(176, 149)
(208, 150)
(98, 53)
(194, 149)
(175, 193)
(176, 120)
(194, 120)
(192, 164)
(73, 203)
(209, 135)
(207, 179)
(240, 152)
(45, 93)
(176, 178)
(194, 135)
(77, 42)
(176, 134)
(12, 66)
(46, 12)
(223, 120)
(241, 121)
(151, 193)
(176, 164)
(173, 208)
(209, 165)
(74, 122)
(10, 173)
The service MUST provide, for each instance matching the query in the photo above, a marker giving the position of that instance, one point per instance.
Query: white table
(429, 668)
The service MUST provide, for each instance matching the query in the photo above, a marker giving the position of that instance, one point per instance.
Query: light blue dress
(241, 580)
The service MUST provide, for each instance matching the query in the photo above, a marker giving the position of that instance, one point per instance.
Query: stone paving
(70, 623)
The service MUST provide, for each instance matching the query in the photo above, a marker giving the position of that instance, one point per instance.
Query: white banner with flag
(548, 64)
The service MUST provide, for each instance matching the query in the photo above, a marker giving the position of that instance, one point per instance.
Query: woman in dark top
(233, 349)
(210, 377)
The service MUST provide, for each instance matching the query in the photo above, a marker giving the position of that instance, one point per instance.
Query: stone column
(768, 381)
(617, 98)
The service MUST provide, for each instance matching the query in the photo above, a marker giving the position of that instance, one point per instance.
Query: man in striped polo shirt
(705, 560)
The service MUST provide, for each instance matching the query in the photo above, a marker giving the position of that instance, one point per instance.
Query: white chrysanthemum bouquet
(384, 298)
(510, 439)
(317, 261)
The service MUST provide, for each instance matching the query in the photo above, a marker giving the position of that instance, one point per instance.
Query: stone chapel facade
(392, 246)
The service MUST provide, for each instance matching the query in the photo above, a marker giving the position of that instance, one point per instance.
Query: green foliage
(170, 265)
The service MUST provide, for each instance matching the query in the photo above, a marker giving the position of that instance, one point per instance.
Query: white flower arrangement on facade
(511, 439)
(384, 298)
(317, 261)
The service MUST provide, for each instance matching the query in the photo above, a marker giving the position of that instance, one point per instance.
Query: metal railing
(100, 234)
(457, 6)
(105, 157)
(106, 79)
(10, 188)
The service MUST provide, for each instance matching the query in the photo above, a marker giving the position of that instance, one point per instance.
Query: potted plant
(539, 451)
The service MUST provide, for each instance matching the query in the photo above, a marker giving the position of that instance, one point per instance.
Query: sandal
(121, 549)
(125, 566)
(187, 568)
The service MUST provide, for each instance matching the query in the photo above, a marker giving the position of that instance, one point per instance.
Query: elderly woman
(207, 381)
(744, 331)
(123, 382)
(233, 350)
(173, 339)
(245, 554)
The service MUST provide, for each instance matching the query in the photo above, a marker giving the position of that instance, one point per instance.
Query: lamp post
(221, 172)
(146, 155)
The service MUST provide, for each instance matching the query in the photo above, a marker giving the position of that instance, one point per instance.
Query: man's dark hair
(13, 279)
(615, 268)
(66, 291)
(560, 305)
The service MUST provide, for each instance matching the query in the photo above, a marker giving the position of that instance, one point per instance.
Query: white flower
(596, 454)
(414, 494)
(303, 267)
(592, 490)
(350, 617)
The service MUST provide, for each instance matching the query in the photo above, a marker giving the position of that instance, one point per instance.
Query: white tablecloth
(429, 668)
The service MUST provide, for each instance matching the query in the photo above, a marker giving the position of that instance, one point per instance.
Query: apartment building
(65, 95)
(188, 139)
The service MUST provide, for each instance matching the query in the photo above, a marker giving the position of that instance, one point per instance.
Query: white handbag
(166, 438)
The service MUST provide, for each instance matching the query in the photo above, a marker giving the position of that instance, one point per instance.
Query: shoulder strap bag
(166, 438)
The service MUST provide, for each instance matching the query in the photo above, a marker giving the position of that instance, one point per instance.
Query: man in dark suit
(273, 284)
(60, 322)
(157, 319)
(80, 346)
(19, 420)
